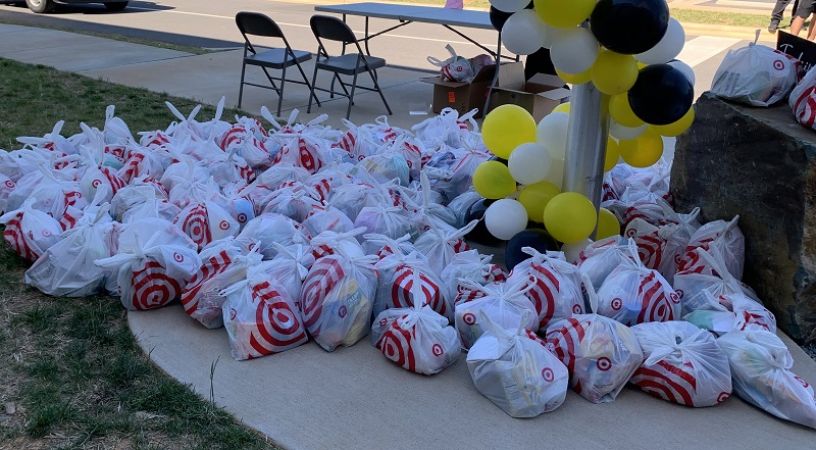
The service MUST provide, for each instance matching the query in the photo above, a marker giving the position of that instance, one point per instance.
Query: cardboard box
(538, 95)
(462, 97)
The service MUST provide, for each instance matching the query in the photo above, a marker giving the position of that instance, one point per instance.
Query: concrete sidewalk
(208, 77)
(354, 398)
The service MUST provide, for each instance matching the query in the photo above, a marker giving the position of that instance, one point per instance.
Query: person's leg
(803, 11)
(779, 10)
(812, 29)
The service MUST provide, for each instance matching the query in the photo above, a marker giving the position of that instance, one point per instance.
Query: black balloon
(535, 238)
(480, 234)
(661, 95)
(629, 26)
(498, 18)
(539, 62)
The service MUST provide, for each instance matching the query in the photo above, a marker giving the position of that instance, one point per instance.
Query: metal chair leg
(351, 96)
(241, 88)
(312, 90)
(271, 80)
(306, 80)
(373, 74)
(283, 83)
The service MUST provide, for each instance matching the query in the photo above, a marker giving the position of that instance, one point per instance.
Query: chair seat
(277, 58)
(347, 64)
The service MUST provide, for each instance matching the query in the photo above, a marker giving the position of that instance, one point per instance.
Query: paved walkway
(210, 76)
(354, 398)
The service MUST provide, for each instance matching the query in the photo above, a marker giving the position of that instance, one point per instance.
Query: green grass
(71, 366)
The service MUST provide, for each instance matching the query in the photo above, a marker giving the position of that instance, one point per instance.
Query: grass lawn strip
(71, 370)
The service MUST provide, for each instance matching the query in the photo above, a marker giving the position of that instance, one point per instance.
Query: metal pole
(586, 143)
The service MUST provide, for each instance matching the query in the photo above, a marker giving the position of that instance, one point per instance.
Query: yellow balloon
(492, 180)
(643, 151)
(507, 127)
(612, 155)
(564, 14)
(641, 65)
(570, 217)
(621, 111)
(614, 73)
(608, 224)
(676, 128)
(563, 107)
(535, 198)
(575, 78)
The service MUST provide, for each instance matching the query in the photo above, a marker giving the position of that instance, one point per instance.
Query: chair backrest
(332, 28)
(257, 24)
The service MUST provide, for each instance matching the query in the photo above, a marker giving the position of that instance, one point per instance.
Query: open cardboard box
(538, 95)
(462, 97)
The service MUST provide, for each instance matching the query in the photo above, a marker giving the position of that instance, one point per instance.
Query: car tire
(40, 6)
(116, 6)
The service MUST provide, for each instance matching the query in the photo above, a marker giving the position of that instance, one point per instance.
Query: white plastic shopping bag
(756, 75)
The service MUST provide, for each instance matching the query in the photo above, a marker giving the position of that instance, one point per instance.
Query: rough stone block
(761, 164)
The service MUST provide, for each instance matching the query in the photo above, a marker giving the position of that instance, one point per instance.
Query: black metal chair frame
(361, 63)
(274, 31)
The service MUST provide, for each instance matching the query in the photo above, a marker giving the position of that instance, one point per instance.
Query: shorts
(805, 8)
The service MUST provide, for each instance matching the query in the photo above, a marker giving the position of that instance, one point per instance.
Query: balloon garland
(627, 50)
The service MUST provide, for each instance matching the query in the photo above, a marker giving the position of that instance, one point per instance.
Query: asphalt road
(211, 24)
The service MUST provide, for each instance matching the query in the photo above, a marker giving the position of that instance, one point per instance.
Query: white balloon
(523, 33)
(668, 48)
(510, 6)
(529, 163)
(623, 133)
(548, 35)
(505, 218)
(686, 69)
(556, 173)
(552, 133)
(574, 50)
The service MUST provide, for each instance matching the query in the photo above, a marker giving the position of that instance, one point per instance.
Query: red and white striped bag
(600, 258)
(504, 303)
(154, 262)
(30, 232)
(704, 289)
(634, 294)
(440, 245)
(558, 291)
(737, 312)
(206, 221)
(302, 152)
(337, 299)
(473, 267)
(684, 364)
(416, 338)
(395, 287)
(600, 353)
(260, 313)
(802, 100)
(383, 246)
(662, 247)
(223, 264)
(269, 229)
(719, 237)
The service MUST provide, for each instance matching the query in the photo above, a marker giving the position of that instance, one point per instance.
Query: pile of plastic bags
(302, 232)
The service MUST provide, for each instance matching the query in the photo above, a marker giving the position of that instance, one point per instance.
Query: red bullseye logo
(576, 309)
(342, 312)
(233, 313)
(46, 233)
(680, 293)
(617, 304)
(383, 323)
(779, 64)
(547, 374)
(178, 257)
(9, 184)
(224, 225)
(604, 364)
(469, 318)
(95, 183)
(437, 350)
(805, 384)
(675, 298)
(631, 232)
(242, 218)
(723, 397)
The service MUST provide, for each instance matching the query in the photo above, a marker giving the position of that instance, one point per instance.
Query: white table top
(427, 14)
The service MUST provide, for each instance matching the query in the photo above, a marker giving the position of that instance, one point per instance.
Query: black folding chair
(256, 24)
(352, 64)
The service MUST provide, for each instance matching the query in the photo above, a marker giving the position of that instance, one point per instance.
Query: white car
(43, 6)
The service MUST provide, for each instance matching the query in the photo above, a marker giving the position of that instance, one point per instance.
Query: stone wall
(761, 164)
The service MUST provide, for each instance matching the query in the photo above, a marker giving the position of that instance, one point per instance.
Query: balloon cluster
(627, 49)
(527, 187)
